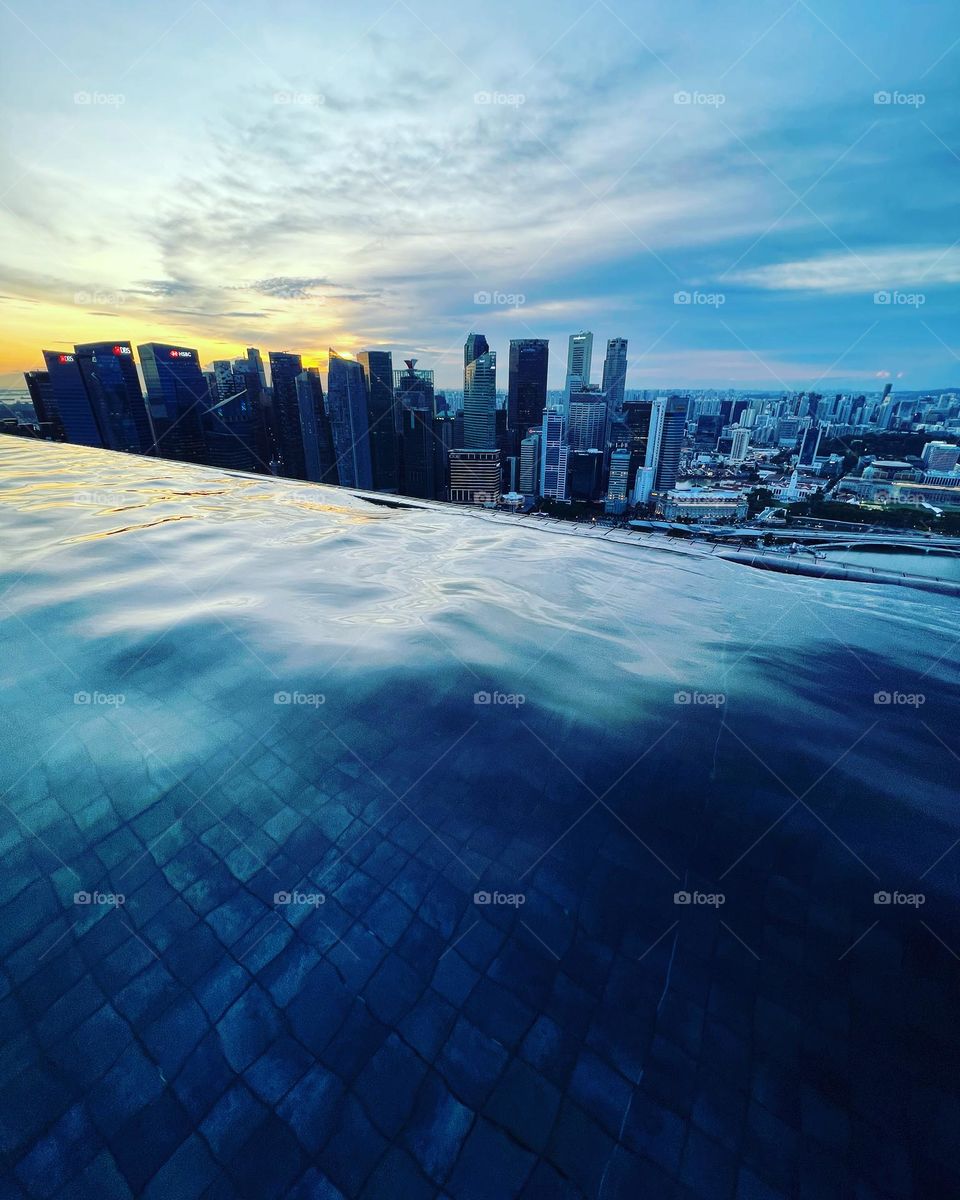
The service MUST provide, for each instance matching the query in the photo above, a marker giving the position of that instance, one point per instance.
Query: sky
(761, 194)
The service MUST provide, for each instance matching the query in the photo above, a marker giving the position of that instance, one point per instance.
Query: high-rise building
(527, 385)
(318, 458)
(936, 456)
(480, 402)
(585, 474)
(475, 345)
(349, 421)
(529, 483)
(579, 356)
(110, 377)
(740, 444)
(255, 362)
(44, 405)
(418, 457)
(618, 482)
(553, 455)
(71, 399)
(414, 388)
(384, 450)
(668, 418)
(178, 397)
(809, 444)
(285, 367)
(615, 374)
(586, 420)
(224, 380)
(474, 476)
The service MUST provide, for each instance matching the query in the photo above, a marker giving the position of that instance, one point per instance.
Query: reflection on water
(223, 690)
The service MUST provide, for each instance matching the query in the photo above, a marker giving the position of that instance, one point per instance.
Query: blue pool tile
(311, 1108)
(437, 1128)
(490, 1166)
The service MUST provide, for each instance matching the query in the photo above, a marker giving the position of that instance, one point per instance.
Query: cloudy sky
(760, 194)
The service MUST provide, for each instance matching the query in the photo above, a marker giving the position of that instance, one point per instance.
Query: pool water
(364, 852)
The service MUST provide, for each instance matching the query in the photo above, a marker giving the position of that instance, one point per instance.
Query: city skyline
(775, 210)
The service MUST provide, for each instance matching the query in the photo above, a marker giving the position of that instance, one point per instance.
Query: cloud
(862, 271)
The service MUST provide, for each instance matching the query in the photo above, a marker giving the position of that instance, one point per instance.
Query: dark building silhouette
(113, 385)
(349, 421)
(44, 405)
(527, 386)
(71, 399)
(384, 456)
(178, 397)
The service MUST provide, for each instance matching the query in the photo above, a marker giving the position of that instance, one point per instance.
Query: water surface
(304, 737)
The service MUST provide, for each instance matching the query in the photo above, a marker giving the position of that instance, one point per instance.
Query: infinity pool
(352, 851)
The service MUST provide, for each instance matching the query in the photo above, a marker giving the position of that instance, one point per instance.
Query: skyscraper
(44, 405)
(527, 385)
(480, 401)
(255, 360)
(284, 369)
(553, 455)
(579, 355)
(384, 456)
(474, 476)
(615, 374)
(617, 485)
(809, 444)
(475, 345)
(110, 377)
(349, 421)
(530, 465)
(72, 400)
(178, 397)
(586, 420)
(318, 458)
(668, 420)
(414, 388)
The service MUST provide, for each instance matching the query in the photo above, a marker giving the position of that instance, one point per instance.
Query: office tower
(480, 402)
(255, 362)
(284, 369)
(529, 483)
(475, 345)
(585, 474)
(527, 385)
(618, 482)
(809, 444)
(318, 459)
(579, 355)
(384, 454)
(44, 405)
(349, 421)
(474, 476)
(230, 429)
(418, 458)
(247, 379)
(668, 418)
(110, 377)
(586, 420)
(615, 374)
(413, 388)
(936, 456)
(443, 443)
(633, 435)
(553, 455)
(177, 396)
(740, 444)
(72, 399)
(224, 379)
